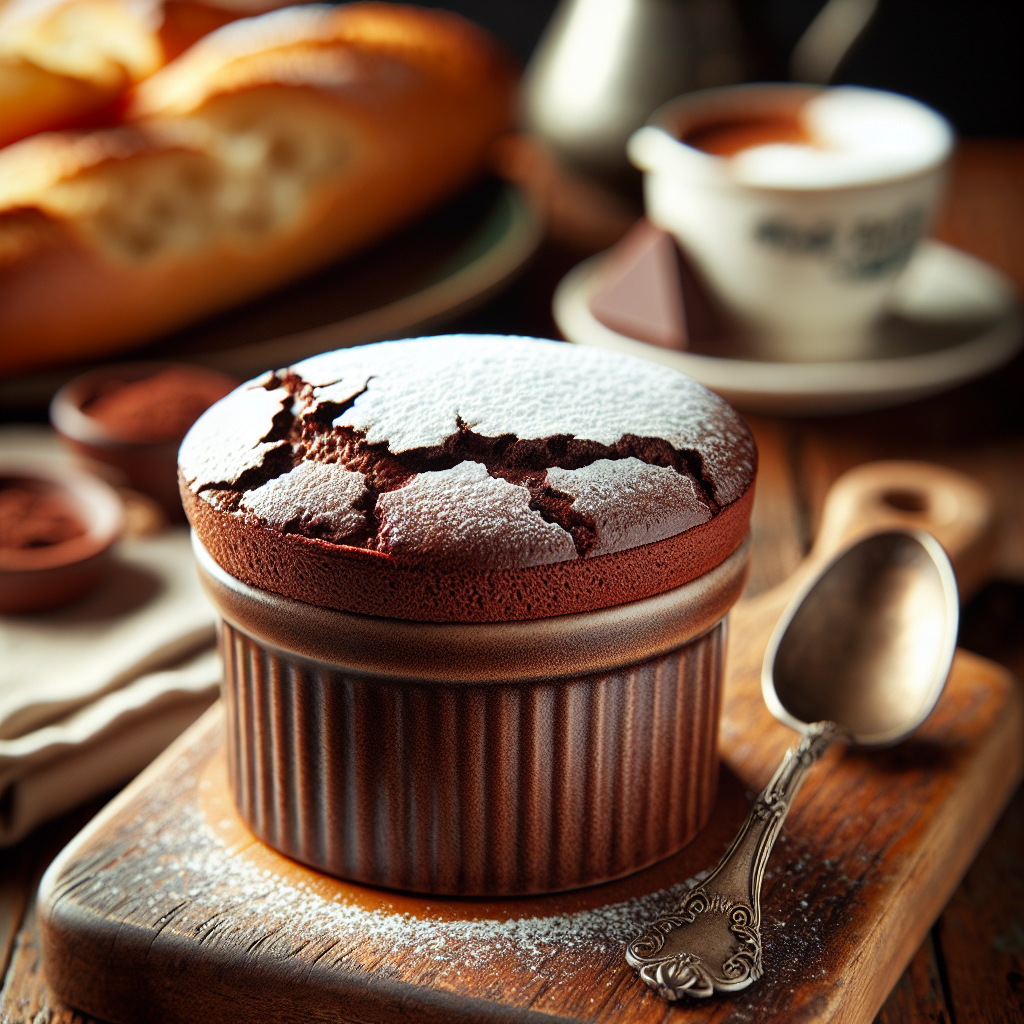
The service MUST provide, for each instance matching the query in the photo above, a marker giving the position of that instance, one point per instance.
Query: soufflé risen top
(469, 479)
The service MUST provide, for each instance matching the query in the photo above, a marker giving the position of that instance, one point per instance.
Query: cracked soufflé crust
(469, 479)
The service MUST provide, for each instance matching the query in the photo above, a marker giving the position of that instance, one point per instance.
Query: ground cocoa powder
(35, 516)
(158, 409)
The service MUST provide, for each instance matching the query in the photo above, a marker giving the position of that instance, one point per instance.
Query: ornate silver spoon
(861, 652)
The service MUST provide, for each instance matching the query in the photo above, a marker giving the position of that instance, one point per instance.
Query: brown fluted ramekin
(475, 758)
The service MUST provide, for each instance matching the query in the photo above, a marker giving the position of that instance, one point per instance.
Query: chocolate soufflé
(469, 479)
(473, 593)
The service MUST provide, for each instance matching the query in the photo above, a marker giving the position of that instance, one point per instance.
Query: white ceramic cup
(803, 245)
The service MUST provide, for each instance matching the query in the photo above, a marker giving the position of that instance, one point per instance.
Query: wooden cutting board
(166, 909)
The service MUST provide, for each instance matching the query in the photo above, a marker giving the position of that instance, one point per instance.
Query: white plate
(954, 318)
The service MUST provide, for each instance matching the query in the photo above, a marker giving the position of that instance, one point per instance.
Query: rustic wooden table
(971, 967)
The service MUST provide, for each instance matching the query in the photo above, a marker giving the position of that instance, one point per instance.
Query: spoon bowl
(867, 643)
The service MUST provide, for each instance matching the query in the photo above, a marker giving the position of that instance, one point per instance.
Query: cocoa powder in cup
(33, 515)
(157, 409)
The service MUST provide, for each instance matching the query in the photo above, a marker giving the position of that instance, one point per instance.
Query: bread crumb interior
(242, 168)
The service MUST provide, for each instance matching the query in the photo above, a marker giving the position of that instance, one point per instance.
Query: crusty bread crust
(63, 63)
(69, 63)
(275, 145)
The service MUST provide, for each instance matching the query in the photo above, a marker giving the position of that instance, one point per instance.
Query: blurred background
(557, 190)
(963, 58)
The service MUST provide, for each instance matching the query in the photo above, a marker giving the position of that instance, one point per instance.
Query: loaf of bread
(69, 63)
(272, 146)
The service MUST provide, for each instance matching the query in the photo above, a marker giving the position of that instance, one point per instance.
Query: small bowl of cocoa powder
(56, 530)
(132, 417)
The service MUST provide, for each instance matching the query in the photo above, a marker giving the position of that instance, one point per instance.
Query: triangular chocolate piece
(642, 295)
(651, 291)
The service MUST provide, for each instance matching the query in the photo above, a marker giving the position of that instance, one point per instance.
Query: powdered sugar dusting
(631, 502)
(227, 440)
(532, 388)
(463, 512)
(491, 451)
(318, 497)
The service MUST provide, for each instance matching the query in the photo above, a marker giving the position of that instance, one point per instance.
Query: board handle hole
(906, 500)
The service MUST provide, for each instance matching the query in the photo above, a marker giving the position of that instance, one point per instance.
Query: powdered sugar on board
(187, 882)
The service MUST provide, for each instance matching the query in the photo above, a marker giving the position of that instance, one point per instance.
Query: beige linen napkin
(90, 693)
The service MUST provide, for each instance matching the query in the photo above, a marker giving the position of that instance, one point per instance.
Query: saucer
(953, 318)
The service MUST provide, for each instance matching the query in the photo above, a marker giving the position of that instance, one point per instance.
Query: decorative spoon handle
(713, 940)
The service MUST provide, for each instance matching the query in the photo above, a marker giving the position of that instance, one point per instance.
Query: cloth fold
(90, 693)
